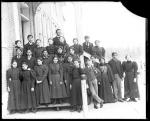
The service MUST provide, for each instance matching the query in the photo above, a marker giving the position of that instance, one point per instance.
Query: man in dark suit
(87, 47)
(117, 70)
(29, 46)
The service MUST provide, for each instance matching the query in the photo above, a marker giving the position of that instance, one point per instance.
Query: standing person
(38, 49)
(29, 46)
(57, 87)
(92, 82)
(28, 97)
(46, 58)
(117, 70)
(98, 51)
(77, 47)
(130, 68)
(13, 87)
(106, 80)
(29, 59)
(51, 48)
(18, 57)
(67, 66)
(76, 93)
(87, 46)
(42, 87)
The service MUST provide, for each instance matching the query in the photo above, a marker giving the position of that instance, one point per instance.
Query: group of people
(52, 75)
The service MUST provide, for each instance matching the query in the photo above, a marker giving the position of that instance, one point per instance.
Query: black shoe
(57, 108)
(95, 106)
(120, 100)
(101, 104)
(34, 110)
(134, 100)
(12, 112)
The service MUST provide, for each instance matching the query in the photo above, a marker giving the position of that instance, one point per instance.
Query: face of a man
(31, 39)
(14, 64)
(58, 33)
(87, 39)
(115, 56)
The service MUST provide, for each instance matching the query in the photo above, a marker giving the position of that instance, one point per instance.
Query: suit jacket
(116, 66)
(88, 48)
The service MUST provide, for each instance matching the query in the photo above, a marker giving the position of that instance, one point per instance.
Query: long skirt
(43, 93)
(28, 98)
(105, 91)
(14, 95)
(130, 87)
(57, 90)
(76, 94)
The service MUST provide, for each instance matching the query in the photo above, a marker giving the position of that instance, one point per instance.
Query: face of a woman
(60, 50)
(45, 53)
(97, 42)
(50, 41)
(102, 61)
(38, 42)
(14, 64)
(128, 58)
(39, 62)
(24, 66)
(72, 51)
(55, 60)
(76, 63)
(69, 59)
(19, 52)
(75, 41)
(29, 52)
(19, 44)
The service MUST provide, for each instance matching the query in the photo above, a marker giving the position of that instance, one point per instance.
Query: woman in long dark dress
(57, 86)
(76, 93)
(42, 87)
(28, 97)
(106, 78)
(13, 84)
(38, 49)
(67, 66)
(130, 68)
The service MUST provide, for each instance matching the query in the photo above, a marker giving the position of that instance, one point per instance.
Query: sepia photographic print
(72, 60)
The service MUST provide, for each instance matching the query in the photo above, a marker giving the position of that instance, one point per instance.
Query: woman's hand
(32, 89)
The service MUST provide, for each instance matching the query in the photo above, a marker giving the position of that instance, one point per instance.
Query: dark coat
(42, 89)
(28, 46)
(51, 49)
(106, 78)
(78, 49)
(38, 52)
(131, 87)
(14, 85)
(116, 67)
(55, 75)
(76, 93)
(88, 48)
(28, 98)
(98, 52)
(31, 63)
(47, 60)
